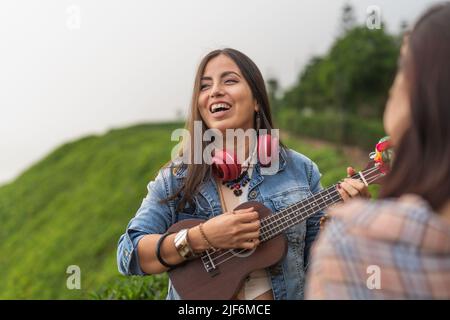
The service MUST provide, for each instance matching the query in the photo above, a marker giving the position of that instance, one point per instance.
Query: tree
(348, 20)
(272, 88)
(404, 26)
(351, 81)
(365, 64)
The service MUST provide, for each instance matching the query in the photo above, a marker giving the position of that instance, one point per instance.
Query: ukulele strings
(230, 253)
(369, 171)
(277, 217)
(215, 257)
(265, 219)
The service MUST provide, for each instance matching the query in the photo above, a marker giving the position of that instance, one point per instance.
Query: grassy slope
(71, 207)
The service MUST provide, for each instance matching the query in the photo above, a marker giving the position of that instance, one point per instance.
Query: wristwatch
(182, 244)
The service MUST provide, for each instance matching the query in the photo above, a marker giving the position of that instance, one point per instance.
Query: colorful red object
(383, 154)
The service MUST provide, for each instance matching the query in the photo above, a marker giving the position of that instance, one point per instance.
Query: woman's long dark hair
(422, 160)
(197, 173)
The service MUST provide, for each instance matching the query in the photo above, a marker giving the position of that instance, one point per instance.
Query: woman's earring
(258, 121)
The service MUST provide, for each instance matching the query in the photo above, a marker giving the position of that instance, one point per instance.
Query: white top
(258, 281)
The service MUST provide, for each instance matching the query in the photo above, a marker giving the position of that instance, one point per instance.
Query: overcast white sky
(130, 61)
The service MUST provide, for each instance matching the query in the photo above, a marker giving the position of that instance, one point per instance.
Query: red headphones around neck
(226, 167)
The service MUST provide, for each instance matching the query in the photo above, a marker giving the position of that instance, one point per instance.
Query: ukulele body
(192, 281)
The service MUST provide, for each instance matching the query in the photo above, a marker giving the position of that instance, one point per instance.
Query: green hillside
(71, 207)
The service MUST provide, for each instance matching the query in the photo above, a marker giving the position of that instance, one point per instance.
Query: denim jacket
(297, 177)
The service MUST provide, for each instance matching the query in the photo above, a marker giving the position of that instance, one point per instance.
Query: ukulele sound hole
(242, 253)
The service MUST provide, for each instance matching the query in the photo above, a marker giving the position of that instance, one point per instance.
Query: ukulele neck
(300, 211)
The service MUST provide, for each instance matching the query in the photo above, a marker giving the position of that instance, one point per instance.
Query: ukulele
(219, 274)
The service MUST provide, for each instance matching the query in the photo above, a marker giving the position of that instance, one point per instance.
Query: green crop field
(71, 207)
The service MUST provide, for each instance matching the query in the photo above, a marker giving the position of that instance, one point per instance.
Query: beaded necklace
(237, 184)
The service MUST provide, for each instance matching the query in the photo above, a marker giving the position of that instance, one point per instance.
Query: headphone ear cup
(266, 147)
(225, 166)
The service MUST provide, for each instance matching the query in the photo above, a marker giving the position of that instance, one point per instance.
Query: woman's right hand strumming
(231, 230)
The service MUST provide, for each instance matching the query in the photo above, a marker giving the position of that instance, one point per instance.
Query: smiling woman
(229, 94)
(225, 96)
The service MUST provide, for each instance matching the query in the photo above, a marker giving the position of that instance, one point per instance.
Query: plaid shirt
(386, 249)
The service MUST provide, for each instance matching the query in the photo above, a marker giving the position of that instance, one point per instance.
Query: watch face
(180, 235)
(181, 243)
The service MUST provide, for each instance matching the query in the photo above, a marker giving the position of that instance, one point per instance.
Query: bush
(133, 288)
(332, 127)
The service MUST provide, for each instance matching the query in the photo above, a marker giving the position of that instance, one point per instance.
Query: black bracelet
(158, 251)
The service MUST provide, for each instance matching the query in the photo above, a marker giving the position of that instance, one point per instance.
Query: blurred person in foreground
(398, 247)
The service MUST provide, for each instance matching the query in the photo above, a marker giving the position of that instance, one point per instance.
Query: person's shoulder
(359, 209)
(384, 220)
(167, 177)
(174, 168)
(346, 228)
